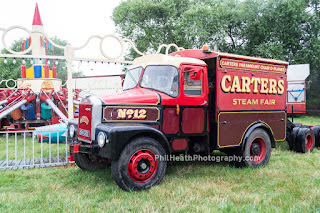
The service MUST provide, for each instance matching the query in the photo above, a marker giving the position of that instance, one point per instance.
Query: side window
(193, 81)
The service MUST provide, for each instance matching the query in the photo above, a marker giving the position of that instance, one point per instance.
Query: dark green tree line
(280, 29)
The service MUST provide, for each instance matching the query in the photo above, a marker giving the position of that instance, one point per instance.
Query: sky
(71, 20)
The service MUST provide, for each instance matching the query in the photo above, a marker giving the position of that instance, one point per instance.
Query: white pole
(70, 55)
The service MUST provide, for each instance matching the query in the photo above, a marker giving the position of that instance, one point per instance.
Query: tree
(280, 29)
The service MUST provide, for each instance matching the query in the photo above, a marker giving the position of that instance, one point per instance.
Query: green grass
(19, 145)
(307, 120)
(289, 183)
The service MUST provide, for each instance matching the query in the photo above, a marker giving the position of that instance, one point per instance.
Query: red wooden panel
(233, 125)
(179, 144)
(193, 120)
(170, 121)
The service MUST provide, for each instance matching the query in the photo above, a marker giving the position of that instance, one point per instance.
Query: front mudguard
(119, 135)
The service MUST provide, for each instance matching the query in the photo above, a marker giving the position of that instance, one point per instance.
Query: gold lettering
(255, 102)
(223, 83)
(280, 87)
(255, 81)
(136, 114)
(234, 101)
(272, 86)
(129, 113)
(264, 85)
(142, 114)
(235, 85)
(121, 113)
(246, 84)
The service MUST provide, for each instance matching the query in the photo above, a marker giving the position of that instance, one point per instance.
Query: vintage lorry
(189, 102)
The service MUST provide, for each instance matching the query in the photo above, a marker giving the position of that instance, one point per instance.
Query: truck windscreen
(132, 78)
(162, 78)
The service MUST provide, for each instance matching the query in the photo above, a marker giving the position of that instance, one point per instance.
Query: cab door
(194, 100)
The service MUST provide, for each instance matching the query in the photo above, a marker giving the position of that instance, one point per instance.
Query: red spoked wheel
(258, 150)
(309, 142)
(305, 140)
(142, 166)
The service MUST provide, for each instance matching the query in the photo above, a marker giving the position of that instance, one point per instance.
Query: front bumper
(84, 148)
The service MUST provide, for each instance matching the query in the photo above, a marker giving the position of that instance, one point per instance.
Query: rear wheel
(316, 132)
(257, 149)
(88, 162)
(305, 140)
(293, 138)
(138, 166)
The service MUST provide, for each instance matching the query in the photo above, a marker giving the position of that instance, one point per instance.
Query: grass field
(17, 146)
(307, 120)
(289, 183)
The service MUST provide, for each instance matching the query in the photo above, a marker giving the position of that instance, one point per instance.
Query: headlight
(72, 131)
(102, 139)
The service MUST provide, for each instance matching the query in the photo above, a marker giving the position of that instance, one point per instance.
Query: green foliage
(280, 29)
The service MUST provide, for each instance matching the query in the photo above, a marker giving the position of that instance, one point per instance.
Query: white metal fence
(22, 149)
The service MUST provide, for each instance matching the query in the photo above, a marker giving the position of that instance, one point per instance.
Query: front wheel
(139, 165)
(88, 162)
(257, 149)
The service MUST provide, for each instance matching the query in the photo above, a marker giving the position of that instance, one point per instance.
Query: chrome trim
(96, 114)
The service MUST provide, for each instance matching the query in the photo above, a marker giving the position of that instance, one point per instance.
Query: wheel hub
(142, 166)
(258, 150)
(309, 142)
(255, 149)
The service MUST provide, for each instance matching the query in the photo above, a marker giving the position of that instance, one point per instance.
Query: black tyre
(293, 138)
(138, 166)
(89, 163)
(316, 132)
(257, 149)
(305, 140)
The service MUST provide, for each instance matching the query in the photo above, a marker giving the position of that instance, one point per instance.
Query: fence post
(7, 137)
(49, 147)
(24, 148)
(33, 136)
(15, 148)
(58, 157)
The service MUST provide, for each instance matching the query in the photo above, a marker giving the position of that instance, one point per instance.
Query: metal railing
(33, 149)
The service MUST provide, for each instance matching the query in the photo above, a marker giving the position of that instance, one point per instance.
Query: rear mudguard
(255, 126)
